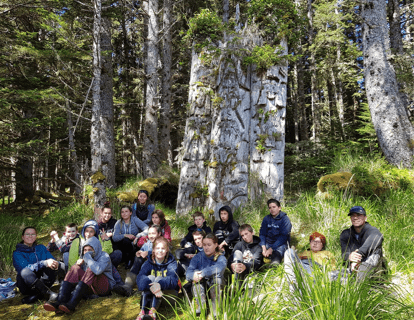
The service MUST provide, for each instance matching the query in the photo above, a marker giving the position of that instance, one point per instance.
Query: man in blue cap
(361, 244)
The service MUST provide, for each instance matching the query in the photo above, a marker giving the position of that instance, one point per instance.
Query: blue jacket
(275, 232)
(33, 257)
(166, 270)
(99, 262)
(209, 266)
(144, 213)
(135, 227)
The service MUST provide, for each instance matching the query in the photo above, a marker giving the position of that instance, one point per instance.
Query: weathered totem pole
(235, 130)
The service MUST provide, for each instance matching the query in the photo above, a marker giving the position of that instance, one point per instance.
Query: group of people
(142, 240)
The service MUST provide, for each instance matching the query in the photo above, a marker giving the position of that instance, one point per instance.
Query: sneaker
(141, 315)
(152, 313)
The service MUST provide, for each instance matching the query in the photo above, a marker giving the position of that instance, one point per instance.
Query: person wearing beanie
(315, 256)
(361, 244)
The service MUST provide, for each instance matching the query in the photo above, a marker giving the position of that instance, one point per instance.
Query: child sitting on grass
(199, 224)
(143, 208)
(158, 218)
(158, 276)
(106, 225)
(35, 267)
(185, 255)
(127, 231)
(226, 230)
(63, 244)
(154, 232)
(91, 274)
(206, 272)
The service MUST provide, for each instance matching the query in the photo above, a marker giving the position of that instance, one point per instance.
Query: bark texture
(150, 153)
(165, 117)
(234, 131)
(107, 139)
(98, 179)
(394, 131)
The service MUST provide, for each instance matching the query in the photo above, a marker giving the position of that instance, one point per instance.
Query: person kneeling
(91, 274)
(157, 275)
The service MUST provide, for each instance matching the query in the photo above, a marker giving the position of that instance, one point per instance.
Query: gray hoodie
(99, 262)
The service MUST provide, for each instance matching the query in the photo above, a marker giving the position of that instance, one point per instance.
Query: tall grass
(318, 298)
(236, 302)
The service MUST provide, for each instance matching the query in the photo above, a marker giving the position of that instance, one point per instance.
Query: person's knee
(26, 273)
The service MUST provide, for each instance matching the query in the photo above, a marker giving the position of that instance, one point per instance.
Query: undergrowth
(391, 213)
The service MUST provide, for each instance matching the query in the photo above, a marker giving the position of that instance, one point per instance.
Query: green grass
(391, 213)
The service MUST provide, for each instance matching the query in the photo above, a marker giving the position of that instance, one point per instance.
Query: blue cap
(357, 209)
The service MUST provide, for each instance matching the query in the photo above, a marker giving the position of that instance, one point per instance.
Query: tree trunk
(98, 179)
(294, 100)
(107, 139)
(151, 157)
(165, 117)
(72, 152)
(314, 95)
(226, 11)
(394, 131)
(394, 19)
(304, 127)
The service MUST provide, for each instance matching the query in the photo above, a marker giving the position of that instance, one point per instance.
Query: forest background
(59, 128)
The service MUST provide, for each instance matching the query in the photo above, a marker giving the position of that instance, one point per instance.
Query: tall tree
(98, 179)
(394, 131)
(151, 157)
(166, 82)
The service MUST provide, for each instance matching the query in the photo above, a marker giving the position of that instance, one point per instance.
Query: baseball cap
(357, 209)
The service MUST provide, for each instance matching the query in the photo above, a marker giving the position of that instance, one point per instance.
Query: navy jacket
(274, 232)
(167, 270)
(209, 266)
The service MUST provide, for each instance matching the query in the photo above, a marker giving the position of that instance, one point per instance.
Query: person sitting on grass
(63, 244)
(158, 277)
(361, 244)
(226, 230)
(128, 229)
(185, 255)
(206, 272)
(106, 225)
(274, 233)
(309, 259)
(91, 274)
(89, 230)
(142, 208)
(247, 253)
(36, 268)
(154, 232)
(199, 224)
(158, 219)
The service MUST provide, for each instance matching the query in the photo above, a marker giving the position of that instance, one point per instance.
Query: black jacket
(189, 236)
(108, 226)
(228, 231)
(252, 254)
(369, 242)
